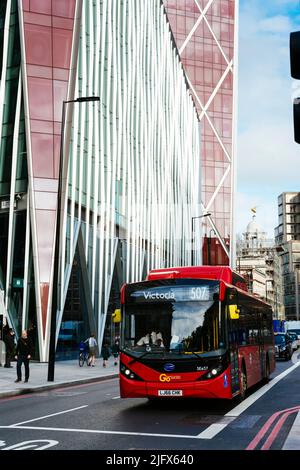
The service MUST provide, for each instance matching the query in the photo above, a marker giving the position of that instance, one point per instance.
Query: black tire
(81, 360)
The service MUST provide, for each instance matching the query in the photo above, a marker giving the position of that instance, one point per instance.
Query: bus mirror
(234, 312)
(116, 316)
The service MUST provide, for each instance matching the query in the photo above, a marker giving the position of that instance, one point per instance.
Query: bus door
(261, 344)
(265, 323)
(233, 335)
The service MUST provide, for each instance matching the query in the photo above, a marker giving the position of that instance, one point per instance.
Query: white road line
(96, 431)
(250, 400)
(214, 429)
(116, 398)
(48, 416)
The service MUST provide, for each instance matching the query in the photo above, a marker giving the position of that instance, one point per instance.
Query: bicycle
(83, 356)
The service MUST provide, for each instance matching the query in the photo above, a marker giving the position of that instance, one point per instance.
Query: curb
(42, 388)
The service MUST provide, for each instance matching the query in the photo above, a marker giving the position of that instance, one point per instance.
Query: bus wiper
(192, 352)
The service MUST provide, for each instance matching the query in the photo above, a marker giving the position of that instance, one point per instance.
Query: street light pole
(51, 360)
(193, 218)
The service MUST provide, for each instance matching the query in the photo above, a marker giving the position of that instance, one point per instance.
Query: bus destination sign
(174, 294)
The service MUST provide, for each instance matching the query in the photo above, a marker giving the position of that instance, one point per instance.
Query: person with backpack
(92, 343)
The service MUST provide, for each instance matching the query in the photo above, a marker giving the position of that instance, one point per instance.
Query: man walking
(23, 355)
(9, 340)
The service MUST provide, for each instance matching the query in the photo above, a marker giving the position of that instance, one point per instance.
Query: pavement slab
(65, 373)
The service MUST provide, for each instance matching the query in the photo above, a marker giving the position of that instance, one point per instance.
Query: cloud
(268, 160)
(268, 157)
(275, 24)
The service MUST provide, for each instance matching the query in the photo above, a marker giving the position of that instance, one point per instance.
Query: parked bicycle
(83, 354)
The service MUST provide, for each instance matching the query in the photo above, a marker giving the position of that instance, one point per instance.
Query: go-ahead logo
(168, 378)
(164, 378)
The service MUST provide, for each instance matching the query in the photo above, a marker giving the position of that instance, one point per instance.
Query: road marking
(48, 416)
(96, 431)
(250, 400)
(263, 431)
(214, 429)
(276, 430)
(116, 398)
(39, 444)
(293, 440)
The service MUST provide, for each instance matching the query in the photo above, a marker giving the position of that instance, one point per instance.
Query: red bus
(193, 332)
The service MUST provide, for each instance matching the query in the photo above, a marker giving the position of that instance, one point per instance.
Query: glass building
(287, 236)
(130, 176)
(205, 32)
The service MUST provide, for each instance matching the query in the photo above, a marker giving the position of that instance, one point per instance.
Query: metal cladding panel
(204, 32)
(47, 27)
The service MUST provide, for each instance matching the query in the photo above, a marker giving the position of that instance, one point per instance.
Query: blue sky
(268, 160)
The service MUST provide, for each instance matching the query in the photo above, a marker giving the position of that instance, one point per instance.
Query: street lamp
(51, 360)
(206, 214)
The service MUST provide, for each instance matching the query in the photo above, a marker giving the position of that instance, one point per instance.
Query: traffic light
(296, 106)
(116, 316)
(295, 73)
(295, 54)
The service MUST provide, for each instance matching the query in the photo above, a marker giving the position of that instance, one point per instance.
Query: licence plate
(170, 393)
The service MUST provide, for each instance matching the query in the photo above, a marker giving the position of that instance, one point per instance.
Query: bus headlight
(212, 372)
(128, 373)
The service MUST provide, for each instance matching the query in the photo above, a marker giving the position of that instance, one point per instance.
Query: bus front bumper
(218, 387)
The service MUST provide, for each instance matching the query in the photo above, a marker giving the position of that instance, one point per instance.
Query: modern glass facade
(287, 236)
(131, 160)
(205, 33)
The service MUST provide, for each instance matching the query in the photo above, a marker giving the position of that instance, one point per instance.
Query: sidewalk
(65, 373)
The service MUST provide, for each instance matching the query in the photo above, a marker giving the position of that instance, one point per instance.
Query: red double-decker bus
(193, 332)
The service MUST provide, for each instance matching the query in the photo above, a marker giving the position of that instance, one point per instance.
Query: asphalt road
(93, 417)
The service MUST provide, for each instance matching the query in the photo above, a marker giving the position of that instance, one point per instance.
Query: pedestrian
(24, 352)
(105, 354)
(9, 340)
(115, 349)
(92, 343)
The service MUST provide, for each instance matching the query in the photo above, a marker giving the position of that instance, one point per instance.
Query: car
(294, 338)
(283, 346)
(295, 330)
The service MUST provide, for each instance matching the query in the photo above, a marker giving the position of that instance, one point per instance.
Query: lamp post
(206, 214)
(52, 342)
(297, 294)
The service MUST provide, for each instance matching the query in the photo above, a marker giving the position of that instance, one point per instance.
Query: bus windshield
(173, 316)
